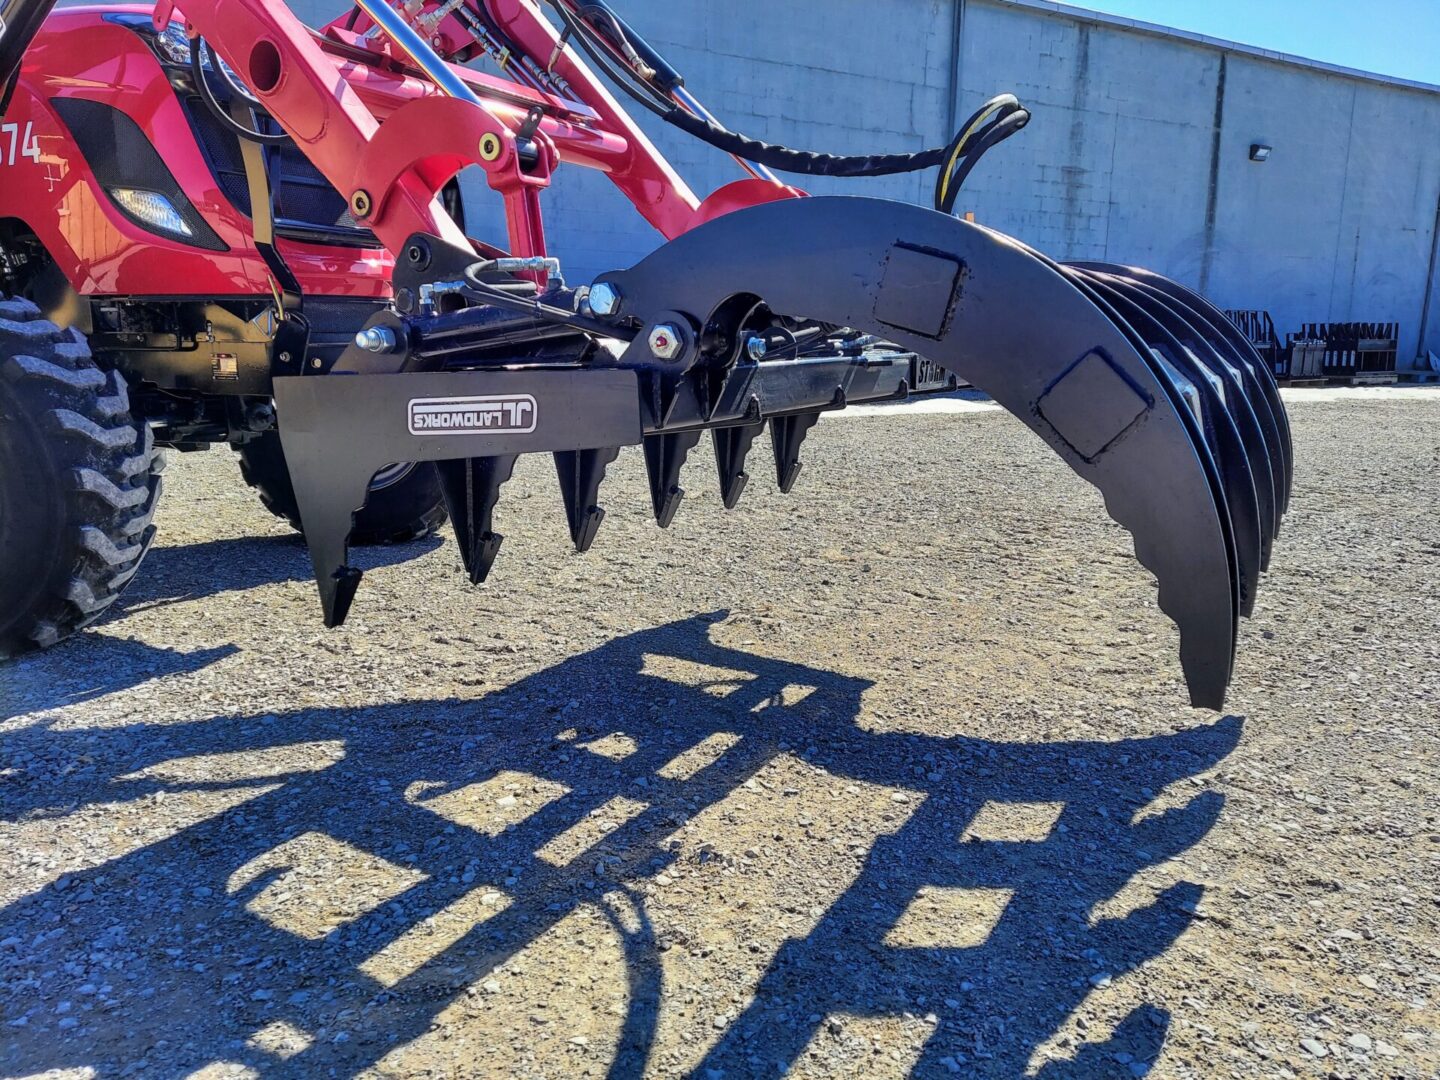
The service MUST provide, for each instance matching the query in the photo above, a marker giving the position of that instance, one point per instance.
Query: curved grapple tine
(983, 307)
(1247, 403)
(1206, 394)
(1223, 334)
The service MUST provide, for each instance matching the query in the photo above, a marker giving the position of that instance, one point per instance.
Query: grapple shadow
(990, 1005)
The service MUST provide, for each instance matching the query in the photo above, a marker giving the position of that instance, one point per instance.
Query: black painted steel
(581, 473)
(664, 457)
(472, 490)
(787, 435)
(996, 315)
(1222, 436)
(339, 431)
(1221, 330)
(1244, 399)
(732, 445)
(1124, 375)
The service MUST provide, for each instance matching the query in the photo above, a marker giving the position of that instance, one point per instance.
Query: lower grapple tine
(581, 473)
(664, 457)
(732, 445)
(787, 435)
(472, 488)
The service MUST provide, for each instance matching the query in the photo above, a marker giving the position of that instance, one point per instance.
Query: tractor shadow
(175, 953)
(194, 571)
(91, 665)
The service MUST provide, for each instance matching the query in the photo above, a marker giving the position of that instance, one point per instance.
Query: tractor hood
(19, 21)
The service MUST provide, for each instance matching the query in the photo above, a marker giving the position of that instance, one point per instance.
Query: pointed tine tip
(586, 529)
(485, 552)
(337, 594)
(665, 512)
(788, 476)
(732, 491)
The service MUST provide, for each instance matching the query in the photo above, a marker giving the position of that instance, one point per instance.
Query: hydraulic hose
(207, 95)
(959, 156)
(971, 145)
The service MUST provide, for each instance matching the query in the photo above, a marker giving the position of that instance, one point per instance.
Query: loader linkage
(763, 307)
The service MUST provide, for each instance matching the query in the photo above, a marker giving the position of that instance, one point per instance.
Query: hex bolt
(756, 347)
(376, 339)
(604, 298)
(666, 341)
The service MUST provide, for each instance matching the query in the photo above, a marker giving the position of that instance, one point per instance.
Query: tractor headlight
(173, 47)
(172, 44)
(153, 209)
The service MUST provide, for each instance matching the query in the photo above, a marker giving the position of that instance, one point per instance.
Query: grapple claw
(1217, 424)
(1129, 378)
(581, 473)
(1050, 348)
(732, 444)
(1224, 336)
(472, 488)
(1243, 397)
(664, 457)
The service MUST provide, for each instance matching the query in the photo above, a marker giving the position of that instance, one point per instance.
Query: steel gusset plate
(1048, 348)
(1227, 339)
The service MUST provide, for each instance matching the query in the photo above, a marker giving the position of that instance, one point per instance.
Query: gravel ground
(891, 777)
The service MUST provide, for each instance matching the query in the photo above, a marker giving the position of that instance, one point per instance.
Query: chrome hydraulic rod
(418, 50)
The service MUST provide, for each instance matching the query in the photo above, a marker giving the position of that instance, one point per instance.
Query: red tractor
(220, 226)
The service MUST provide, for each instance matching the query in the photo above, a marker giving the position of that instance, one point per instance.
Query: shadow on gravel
(89, 665)
(168, 964)
(193, 571)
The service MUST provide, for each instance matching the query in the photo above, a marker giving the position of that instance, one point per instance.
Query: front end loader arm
(1113, 391)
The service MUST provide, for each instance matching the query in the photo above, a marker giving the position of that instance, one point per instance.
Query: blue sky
(1392, 37)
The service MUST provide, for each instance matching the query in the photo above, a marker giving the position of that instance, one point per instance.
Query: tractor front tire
(405, 502)
(79, 480)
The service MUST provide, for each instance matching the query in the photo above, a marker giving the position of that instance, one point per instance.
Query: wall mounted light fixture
(1260, 152)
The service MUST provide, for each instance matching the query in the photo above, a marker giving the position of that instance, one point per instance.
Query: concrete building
(1139, 151)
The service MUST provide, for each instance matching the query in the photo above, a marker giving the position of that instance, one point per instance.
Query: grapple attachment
(779, 312)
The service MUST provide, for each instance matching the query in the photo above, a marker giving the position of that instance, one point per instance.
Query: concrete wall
(1138, 151)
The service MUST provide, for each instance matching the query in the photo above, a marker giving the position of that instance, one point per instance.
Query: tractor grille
(307, 207)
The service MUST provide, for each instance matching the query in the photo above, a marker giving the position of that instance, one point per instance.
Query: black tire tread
(417, 512)
(97, 455)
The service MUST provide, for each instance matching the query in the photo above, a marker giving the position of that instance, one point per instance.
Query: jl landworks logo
(505, 414)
